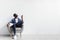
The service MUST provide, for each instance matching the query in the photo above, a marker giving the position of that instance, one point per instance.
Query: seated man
(16, 22)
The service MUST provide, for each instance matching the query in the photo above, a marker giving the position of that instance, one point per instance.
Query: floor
(33, 37)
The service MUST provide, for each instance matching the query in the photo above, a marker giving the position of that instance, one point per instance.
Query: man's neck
(16, 18)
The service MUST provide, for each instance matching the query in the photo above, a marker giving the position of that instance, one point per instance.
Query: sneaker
(15, 37)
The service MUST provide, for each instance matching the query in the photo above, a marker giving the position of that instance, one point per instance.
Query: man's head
(15, 15)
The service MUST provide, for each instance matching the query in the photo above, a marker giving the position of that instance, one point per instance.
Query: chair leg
(11, 35)
(20, 35)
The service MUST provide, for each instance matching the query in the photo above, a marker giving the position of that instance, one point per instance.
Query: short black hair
(15, 15)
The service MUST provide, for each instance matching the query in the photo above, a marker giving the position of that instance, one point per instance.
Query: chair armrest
(8, 25)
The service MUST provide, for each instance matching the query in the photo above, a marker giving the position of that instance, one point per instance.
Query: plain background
(40, 16)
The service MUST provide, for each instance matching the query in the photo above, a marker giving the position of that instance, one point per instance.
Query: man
(16, 22)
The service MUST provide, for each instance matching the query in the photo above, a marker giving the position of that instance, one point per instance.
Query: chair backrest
(21, 26)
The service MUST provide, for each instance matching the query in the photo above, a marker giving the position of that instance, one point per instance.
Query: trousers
(13, 27)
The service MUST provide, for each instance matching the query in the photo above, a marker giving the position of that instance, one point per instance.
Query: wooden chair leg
(20, 35)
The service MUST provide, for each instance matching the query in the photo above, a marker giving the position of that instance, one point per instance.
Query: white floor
(33, 37)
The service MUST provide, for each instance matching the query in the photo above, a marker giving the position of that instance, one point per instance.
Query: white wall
(40, 16)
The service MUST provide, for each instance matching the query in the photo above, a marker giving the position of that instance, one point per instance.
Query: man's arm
(10, 23)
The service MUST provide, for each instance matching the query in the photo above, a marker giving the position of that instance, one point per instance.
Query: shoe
(15, 37)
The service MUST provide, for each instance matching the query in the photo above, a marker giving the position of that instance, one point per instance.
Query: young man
(16, 22)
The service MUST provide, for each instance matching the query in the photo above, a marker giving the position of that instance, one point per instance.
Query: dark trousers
(13, 27)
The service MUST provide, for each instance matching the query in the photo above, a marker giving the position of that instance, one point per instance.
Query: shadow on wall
(4, 30)
(4, 19)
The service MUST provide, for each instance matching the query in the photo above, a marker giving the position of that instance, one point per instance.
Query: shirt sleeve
(11, 21)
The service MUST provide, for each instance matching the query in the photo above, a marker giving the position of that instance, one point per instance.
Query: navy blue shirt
(14, 21)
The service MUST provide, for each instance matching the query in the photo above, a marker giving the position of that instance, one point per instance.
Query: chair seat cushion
(19, 26)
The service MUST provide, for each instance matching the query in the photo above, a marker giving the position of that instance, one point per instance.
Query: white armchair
(18, 29)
